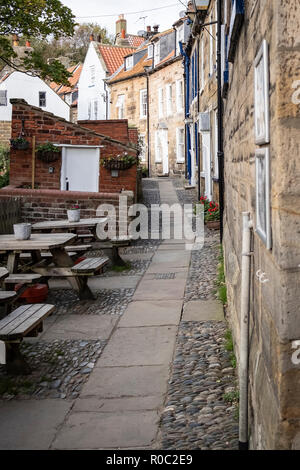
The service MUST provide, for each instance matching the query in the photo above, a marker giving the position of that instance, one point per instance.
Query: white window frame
(180, 37)
(180, 145)
(202, 74)
(150, 51)
(156, 53)
(169, 99)
(143, 103)
(161, 103)
(158, 149)
(120, 105)
(143, 147)
(129, 62)
(179, 96)
(45, 99)
(3, 98)
(92, 74)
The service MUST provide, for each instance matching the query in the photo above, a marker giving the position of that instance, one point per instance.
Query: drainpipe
(244, 344)
(198, 108)
(148, 128)
(220, 125)
(186, 61)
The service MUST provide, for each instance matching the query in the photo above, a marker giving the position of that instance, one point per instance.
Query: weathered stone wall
(5, 132)
(274, 402)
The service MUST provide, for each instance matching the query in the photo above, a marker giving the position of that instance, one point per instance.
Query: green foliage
(47, 147)
(4, 158)
(4, 179)
(120, 269)
(232, 397)
(221, 281)
(229, 346)
(34, 19)
(75, 47)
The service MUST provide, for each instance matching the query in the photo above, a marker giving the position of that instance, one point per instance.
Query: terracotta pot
(213, 224)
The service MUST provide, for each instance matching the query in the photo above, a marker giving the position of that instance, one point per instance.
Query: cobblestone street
(147, 356)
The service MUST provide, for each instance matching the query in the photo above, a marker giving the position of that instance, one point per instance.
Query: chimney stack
(155, 28)
(120, 25)
(148, 29)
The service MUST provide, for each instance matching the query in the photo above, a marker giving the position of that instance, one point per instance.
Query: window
(179, 96)
(156, 53)
(160, 103)
(158, 147)
(74, 96)
(202, 66)
(169, 99)
(42, 99)
(92, 75)
(143, 104)
(3, 97)
(150, 51)
(96, 110)
(143, 147)
(180, 145)
(129, 62)
(68, 98)
(180, 37)
(121, 106)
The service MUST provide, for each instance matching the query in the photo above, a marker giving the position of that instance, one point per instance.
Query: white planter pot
(22, 231)
(74, 215)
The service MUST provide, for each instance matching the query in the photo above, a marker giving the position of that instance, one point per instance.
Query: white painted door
(80, 169)
(165, 151)
(206, 154)
(193, 156)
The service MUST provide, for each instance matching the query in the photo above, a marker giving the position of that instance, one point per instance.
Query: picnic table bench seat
(7, 296)
(22, 278)
(90, 265)
(25, 321)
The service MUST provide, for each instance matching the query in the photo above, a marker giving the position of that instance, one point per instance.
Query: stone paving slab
(30, 424)
(137, 256)
(152, 313)
(107, 430)
(169, 259)
(80, 327)
(115, 382)
(203, 310)
(170, 289)
(170, 247)
(100, 282)
(139, 346)
(109, 405)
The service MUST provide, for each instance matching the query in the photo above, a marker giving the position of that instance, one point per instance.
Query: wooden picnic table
(63, 263)
(64, 225)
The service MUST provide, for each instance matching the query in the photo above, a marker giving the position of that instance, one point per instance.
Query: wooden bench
(25, 321)
(22, 278)
(111, 249)
(89, 266)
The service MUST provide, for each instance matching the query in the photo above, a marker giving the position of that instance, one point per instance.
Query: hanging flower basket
(19, 144)
(119, 162)
(48, 152)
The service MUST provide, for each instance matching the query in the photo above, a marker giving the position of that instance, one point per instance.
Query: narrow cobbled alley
(142, 367)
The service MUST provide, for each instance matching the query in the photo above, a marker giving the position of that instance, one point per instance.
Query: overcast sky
(165, 17)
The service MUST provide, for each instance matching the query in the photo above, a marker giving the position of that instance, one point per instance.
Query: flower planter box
(117, 165)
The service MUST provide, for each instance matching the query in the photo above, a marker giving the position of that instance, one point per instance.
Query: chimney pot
(155, 28)
(148, 29)
(123, 34)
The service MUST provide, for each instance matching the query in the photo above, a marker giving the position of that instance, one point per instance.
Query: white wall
(88, 93)
(19, 85)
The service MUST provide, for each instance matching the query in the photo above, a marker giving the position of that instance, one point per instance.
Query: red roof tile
(75, 70)
(113, 56)
(135, 41)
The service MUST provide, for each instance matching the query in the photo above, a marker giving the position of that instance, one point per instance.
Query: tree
(75, 47)
(34, 19)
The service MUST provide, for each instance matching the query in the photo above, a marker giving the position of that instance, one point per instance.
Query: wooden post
(33, 163)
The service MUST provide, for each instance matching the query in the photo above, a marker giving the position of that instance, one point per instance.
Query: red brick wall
(39, 205)
(114, 128)
(127, 180)
(49, 128)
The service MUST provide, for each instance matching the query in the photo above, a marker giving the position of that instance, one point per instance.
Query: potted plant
(119, 162)
(74, 214)
(19, 144)
(212, 216)
(48, 152)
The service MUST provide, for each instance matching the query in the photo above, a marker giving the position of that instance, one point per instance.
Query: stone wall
(5, 132)
(274, 394)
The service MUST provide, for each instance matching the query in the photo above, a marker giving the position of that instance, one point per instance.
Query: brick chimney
(120, 25)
